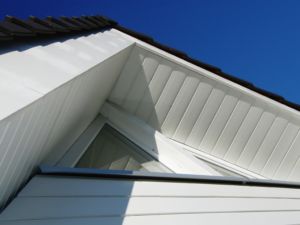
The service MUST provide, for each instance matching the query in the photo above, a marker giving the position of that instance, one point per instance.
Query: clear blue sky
(255, 40)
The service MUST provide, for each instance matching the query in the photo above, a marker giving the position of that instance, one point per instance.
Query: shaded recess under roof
(12, 29)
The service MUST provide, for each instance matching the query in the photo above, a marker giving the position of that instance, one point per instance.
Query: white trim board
(140, 133)
(155, 143)
(219, 162)
(151, 141)
(270, 102)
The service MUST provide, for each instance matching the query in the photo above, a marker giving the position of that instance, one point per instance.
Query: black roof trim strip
(31, 25)
(63, 23)
(106, 20)
(94, 21)
(88, 22)
(70, 23)
(83, 23)
(55, 27)
(5, 36)
(206, 66)
(13, 28)
(77, 23)
(166, 177)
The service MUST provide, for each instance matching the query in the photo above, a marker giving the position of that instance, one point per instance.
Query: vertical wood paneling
(8, 161)
(69, 101)
(280, 150)
(192, 111)
(208, 115)
(231, 128)
(129, 73)
(64, 127)
(269, 143)
(153, 91)
(289, 160)
(166, 98)
(179, 105)
(294, 174)
(28, 160)
(256, 139)
(140, 84)
(218, 124)
(201, 125)
(30, 153)
(82, 105)
(244, 133)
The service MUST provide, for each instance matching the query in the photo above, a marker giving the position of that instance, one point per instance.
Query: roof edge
(15, 29)
(208, 67)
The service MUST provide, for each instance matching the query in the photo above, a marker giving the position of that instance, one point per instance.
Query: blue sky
(258, 41)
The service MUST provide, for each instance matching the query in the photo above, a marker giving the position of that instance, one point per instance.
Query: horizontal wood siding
(63, 200)
(66, 77)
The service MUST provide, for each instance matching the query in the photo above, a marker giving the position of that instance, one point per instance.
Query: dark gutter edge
(166, 177)
(206, 66)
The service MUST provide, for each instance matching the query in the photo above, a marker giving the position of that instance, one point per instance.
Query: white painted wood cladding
(49, 95)
(210, 114)
(61, 200)
(67, 83)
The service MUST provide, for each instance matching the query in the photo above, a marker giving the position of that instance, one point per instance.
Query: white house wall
(58, 90)
(64, 201)
(209, 113)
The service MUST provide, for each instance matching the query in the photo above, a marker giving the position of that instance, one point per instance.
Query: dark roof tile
(31, 25)
(83, 23)
(5, 36)
(77, 23)
(12, 28)
(54, 26)
(63, 23)
(88, 22)
(106, 20)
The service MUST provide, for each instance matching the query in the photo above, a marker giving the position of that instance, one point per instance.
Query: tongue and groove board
(210, 114)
